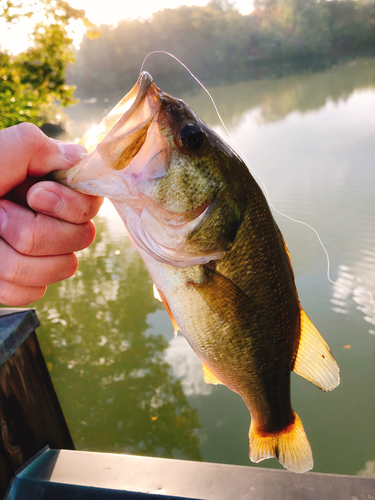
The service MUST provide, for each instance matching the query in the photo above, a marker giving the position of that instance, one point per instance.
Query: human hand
(42, 223)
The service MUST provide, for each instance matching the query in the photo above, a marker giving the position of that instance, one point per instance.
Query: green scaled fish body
(216, 256)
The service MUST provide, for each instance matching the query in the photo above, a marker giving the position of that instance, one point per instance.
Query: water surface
(127, 385)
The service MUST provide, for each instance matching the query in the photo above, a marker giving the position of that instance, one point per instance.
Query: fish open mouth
(121, 113)
(114, 143)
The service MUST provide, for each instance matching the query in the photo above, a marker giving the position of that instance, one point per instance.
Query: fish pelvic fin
(209, 377)
(290, 446)
(156, 293)
(314, 360)
(159, 296)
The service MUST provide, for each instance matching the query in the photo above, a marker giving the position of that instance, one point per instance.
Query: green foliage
(33, 83)
(219, 44)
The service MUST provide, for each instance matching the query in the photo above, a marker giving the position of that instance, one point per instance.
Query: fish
(216, 256)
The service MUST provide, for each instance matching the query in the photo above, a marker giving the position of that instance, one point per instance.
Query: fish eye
(190, 136)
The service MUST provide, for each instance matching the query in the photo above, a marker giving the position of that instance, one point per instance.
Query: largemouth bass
(216, 256)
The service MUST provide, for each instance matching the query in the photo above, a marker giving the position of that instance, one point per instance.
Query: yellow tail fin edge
(290, 446)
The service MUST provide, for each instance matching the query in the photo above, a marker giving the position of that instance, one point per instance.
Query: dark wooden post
(30, 412)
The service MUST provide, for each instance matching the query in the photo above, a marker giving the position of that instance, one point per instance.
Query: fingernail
(43, 200)
(3, 220)
(72, 152)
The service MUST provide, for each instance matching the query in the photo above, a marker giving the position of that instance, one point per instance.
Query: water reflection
(187, 367)
(276, 99)
(369, 469)
(116, 389)
(349, 287)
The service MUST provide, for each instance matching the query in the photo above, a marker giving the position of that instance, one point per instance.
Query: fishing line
(243, 157)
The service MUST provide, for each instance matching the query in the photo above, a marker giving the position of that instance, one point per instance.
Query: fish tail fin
(290, 446)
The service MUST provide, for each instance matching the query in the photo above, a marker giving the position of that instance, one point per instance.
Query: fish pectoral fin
(290, 446)
(209, 377)
(314, 360)
(224, 297)
(159, 296)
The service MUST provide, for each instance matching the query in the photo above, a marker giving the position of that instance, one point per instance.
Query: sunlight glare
(16, 38)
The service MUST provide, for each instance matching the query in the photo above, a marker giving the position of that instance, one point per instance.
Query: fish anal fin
(290, 446)
(159, 296)
(209, 377)
(314, 360)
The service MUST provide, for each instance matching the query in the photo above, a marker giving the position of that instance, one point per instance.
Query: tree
(32, 83)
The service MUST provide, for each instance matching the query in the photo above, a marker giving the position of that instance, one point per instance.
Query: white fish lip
(144, 80)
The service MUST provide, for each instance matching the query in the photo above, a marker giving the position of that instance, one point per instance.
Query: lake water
(127, 385)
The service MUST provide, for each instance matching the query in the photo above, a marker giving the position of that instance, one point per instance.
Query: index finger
(62, 202)
(26, 150)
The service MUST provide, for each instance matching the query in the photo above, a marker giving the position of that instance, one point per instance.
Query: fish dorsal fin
(159, 296)
(209, 377)
(314, 360)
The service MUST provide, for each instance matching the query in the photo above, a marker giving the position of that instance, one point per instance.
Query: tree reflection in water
(277, 98)
(117, 392)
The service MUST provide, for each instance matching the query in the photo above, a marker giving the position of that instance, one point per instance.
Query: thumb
(26, 150)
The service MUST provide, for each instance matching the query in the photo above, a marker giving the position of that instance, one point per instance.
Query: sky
(108, 12)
